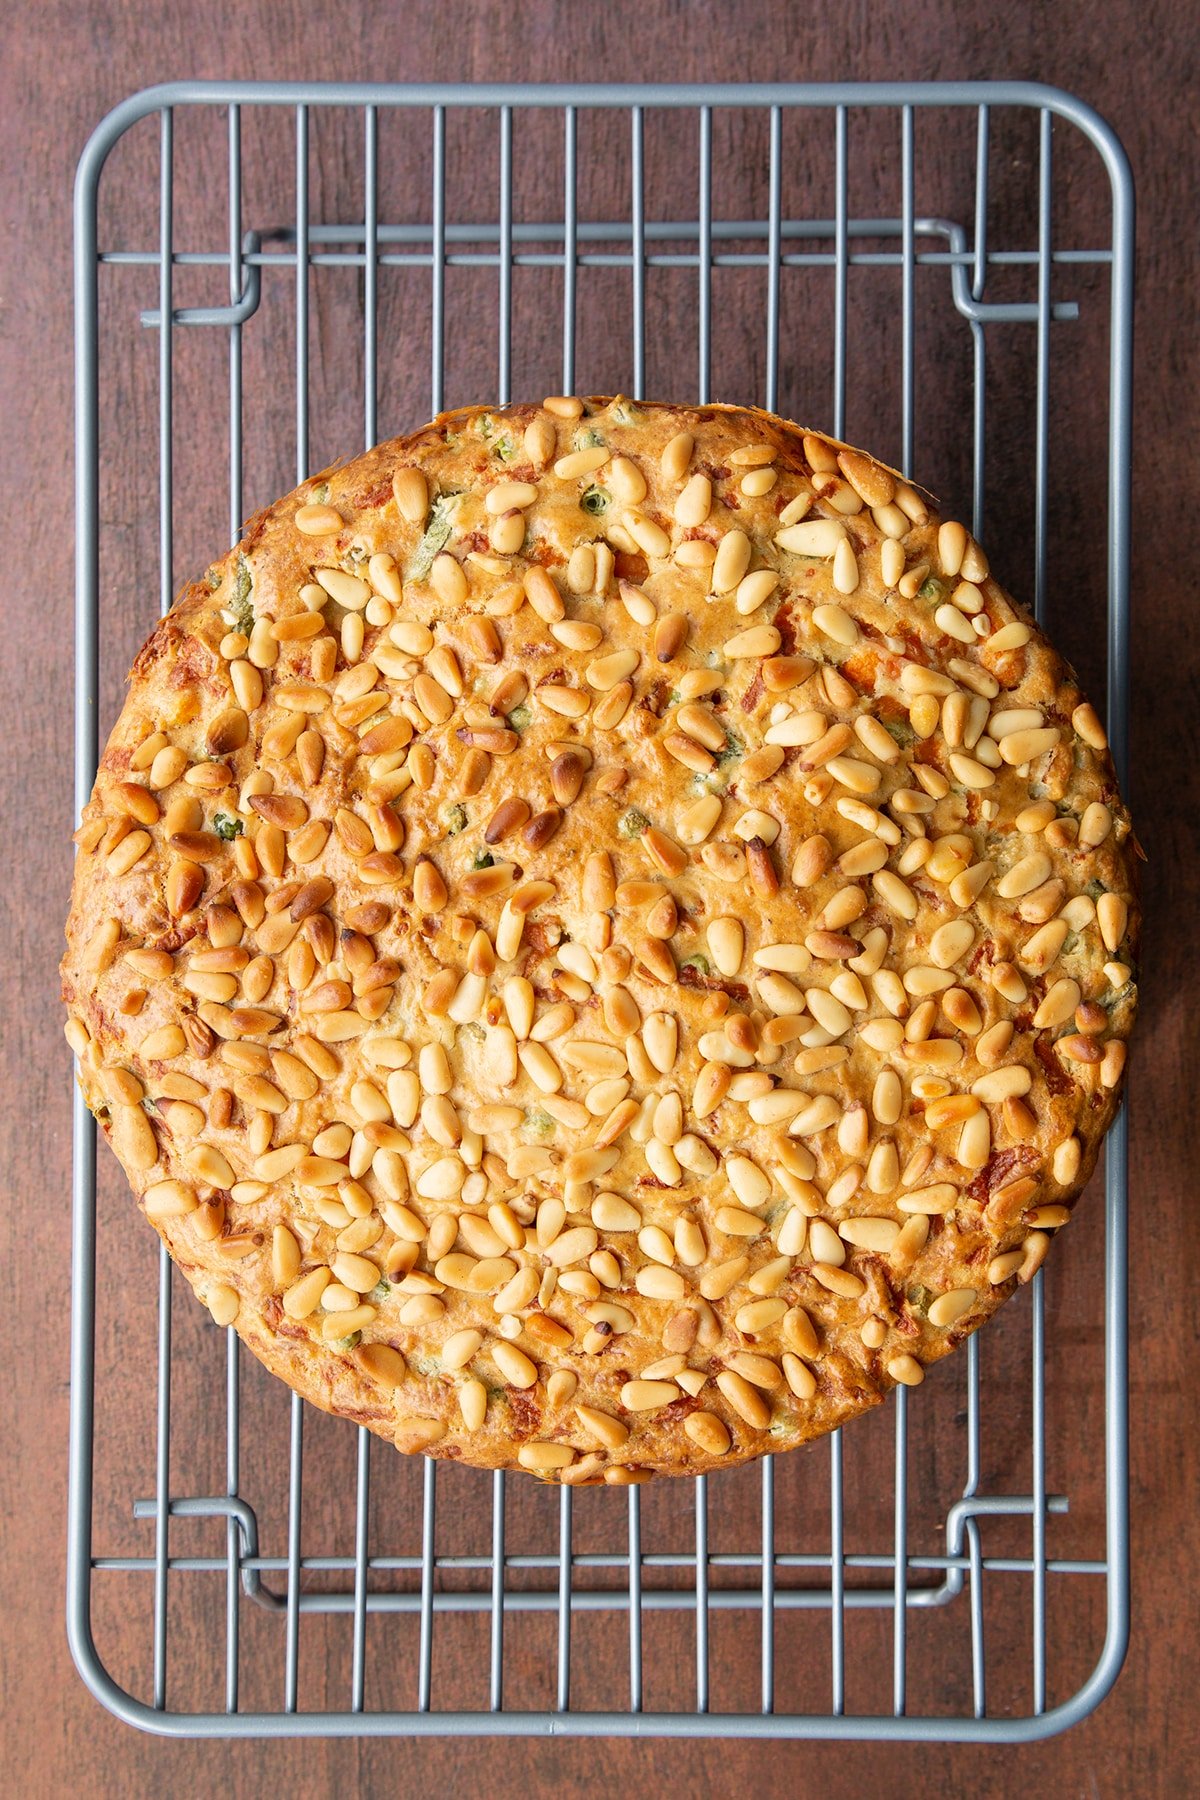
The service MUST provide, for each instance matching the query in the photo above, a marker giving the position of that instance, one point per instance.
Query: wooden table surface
(66, 64)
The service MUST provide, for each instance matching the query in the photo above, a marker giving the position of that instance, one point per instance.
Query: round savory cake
(602, 938)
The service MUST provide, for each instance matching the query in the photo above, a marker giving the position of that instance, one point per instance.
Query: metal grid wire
(793, 1559)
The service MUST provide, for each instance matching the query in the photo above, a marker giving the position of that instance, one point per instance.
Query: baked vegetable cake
(602, 938)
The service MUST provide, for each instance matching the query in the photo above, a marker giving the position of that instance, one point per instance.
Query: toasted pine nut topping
(594, 919)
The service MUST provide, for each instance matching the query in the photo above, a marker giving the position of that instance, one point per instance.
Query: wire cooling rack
(919, 1576)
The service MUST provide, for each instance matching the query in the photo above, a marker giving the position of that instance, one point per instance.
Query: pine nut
(948, 1308)
(760, 1371)
(1088, 726)
(812, 537)
(301, 1299)
(657, 1283)
(745, 1399)
(676, 455)
(694, 502)
(708, 1433)
(515, 1367)
(648, 1396)
(581, 462)
(845, 569)
(601, 1426)
(169, 1200)
(349, 591)
(759, 1315)
(905, 1370)
(411, 494)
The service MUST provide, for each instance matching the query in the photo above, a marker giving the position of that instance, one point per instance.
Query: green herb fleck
(472, 1031)
(241, 606)
(539, 1122)
(227, 827)
(485, 425)
(213, 578)
(631, 824)
(733, 749)
(483, 859)
(594, 500)
(435, 537)
(933, 589)
(901, 730)
(623, 412)
(674, 698)
(380, 1291)
(455, 819)
(519, 718)
(504, 449)
(587, 438)
(919, 1299)
(701, 964)
(349, 1343)
(1094, 889)
(322, 493)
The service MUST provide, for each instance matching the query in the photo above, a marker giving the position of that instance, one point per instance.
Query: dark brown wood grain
(65, 65)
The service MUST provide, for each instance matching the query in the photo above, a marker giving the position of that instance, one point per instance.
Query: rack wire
(292, 1582)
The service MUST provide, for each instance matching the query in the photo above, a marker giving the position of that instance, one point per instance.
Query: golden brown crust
(644, 953)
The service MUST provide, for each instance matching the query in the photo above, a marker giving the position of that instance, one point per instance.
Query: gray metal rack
(857, 1600)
